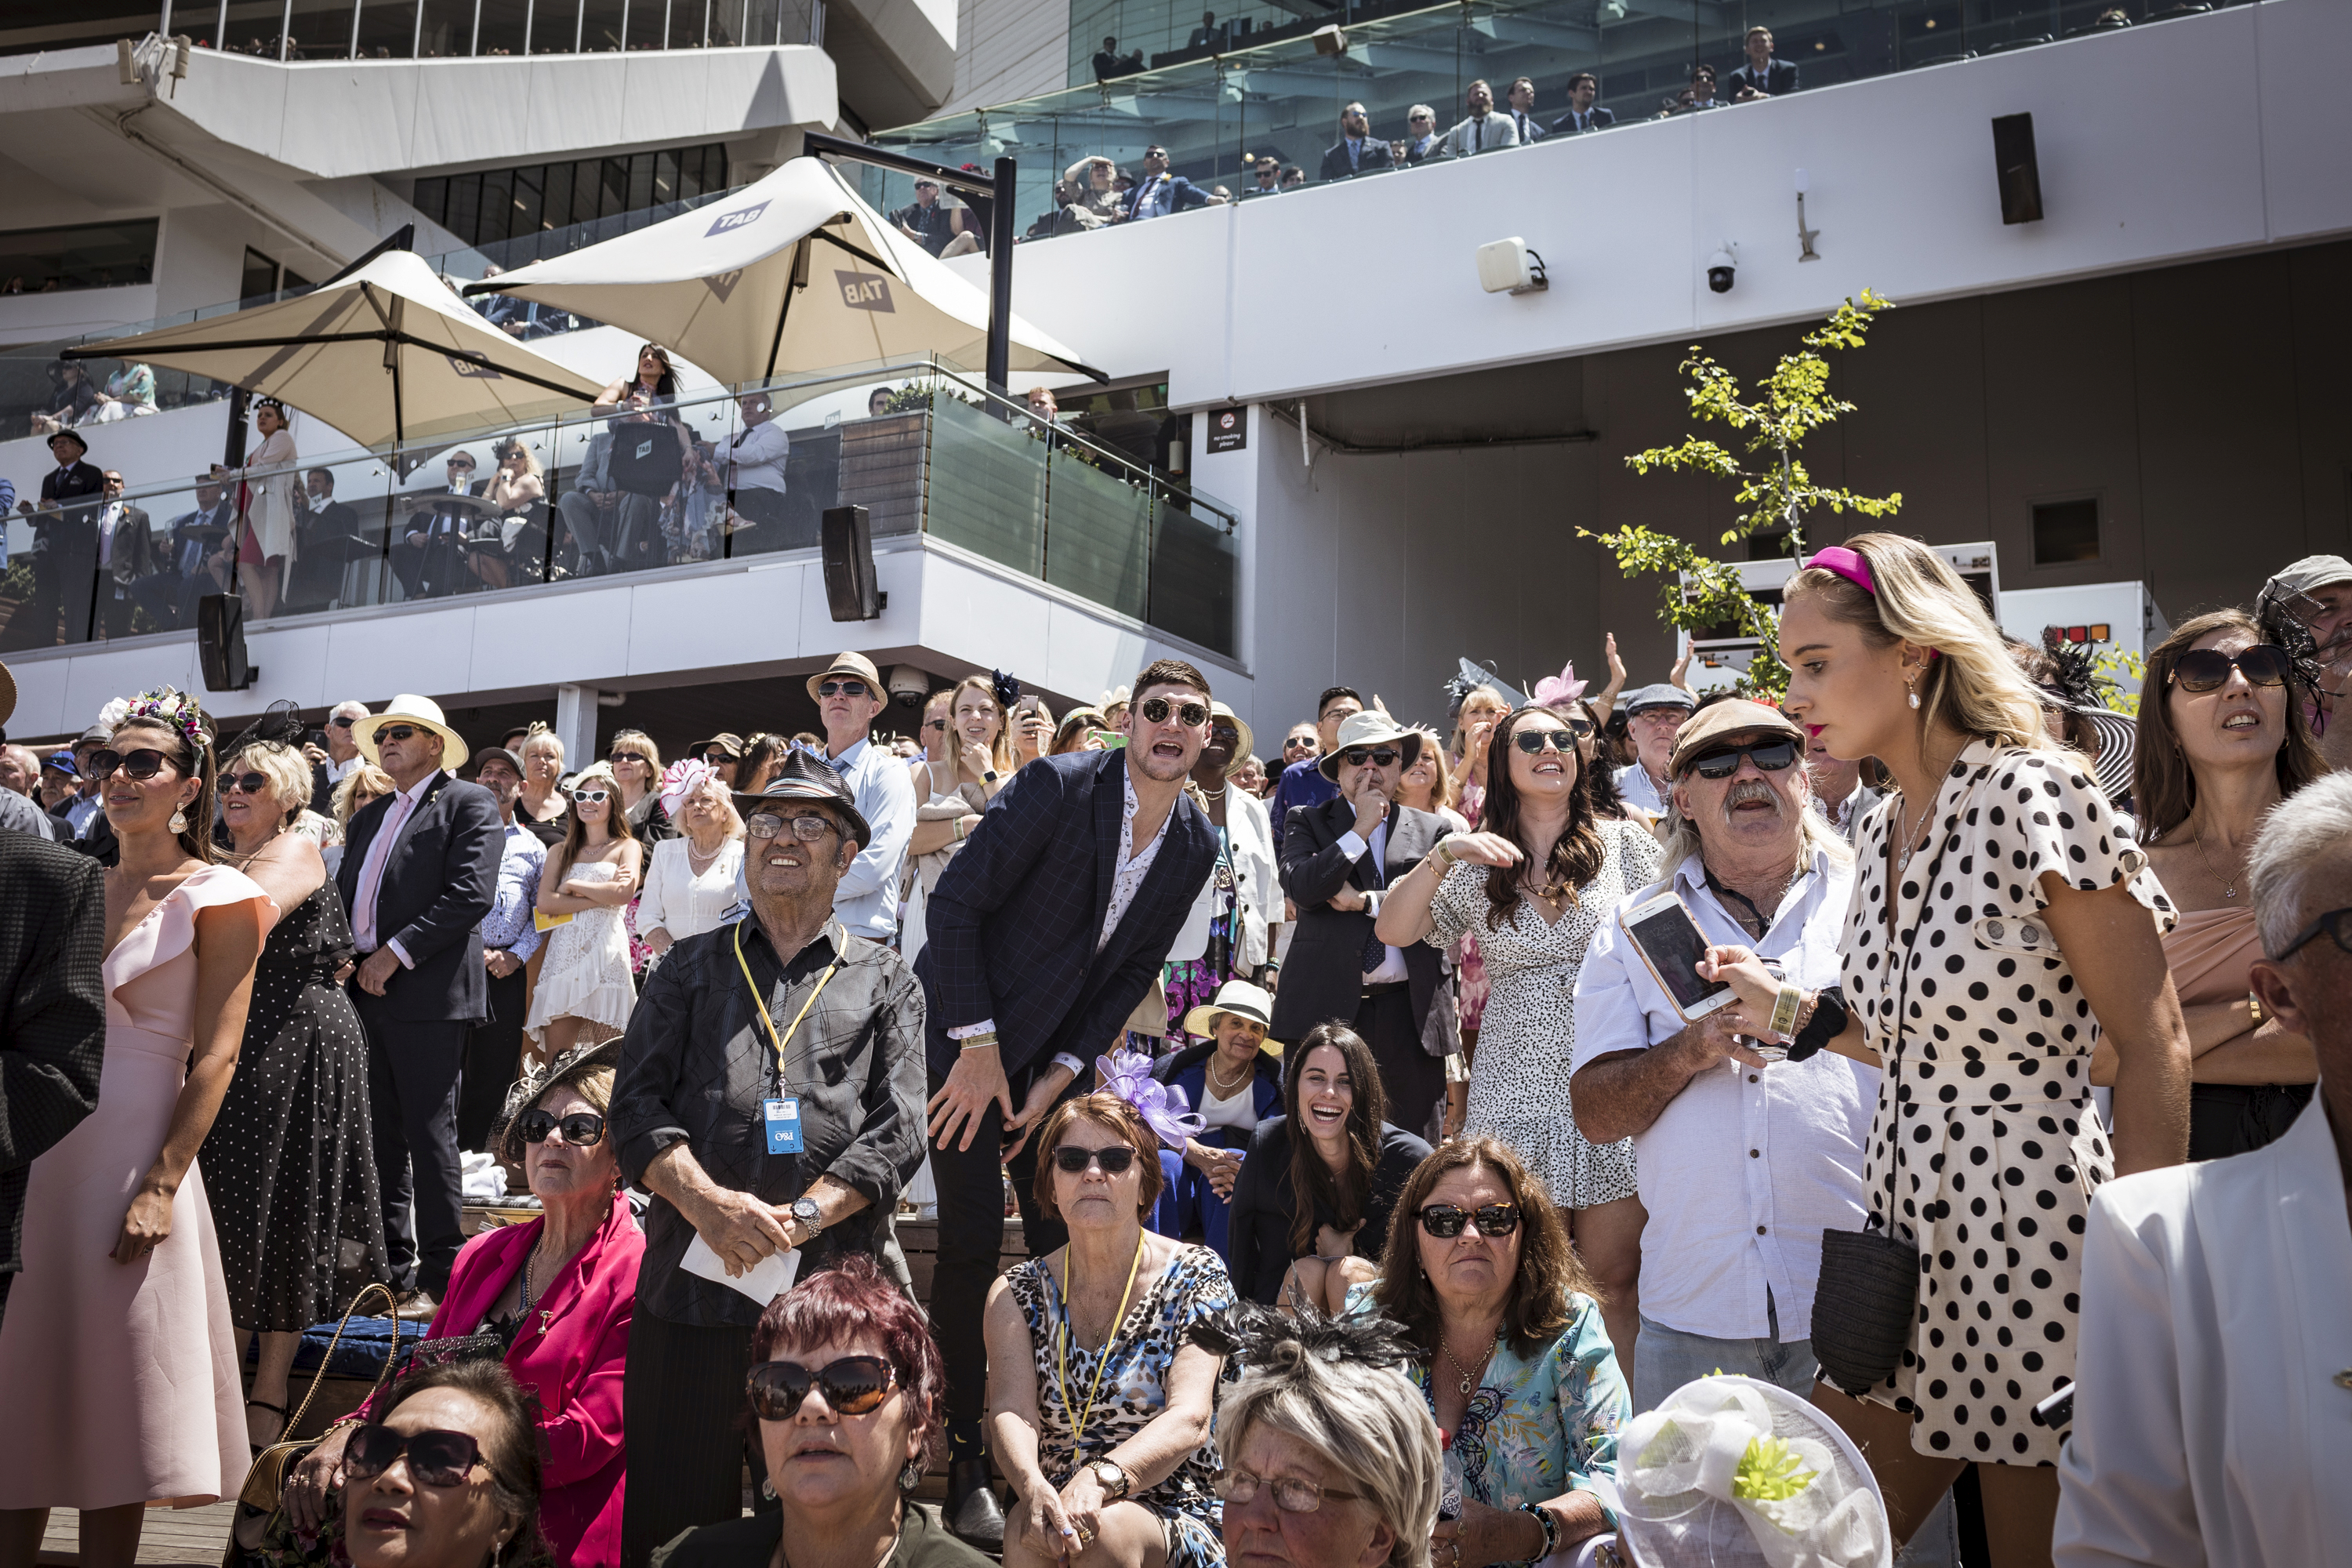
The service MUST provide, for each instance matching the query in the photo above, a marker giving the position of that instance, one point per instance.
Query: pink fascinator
(681, 781)
(1556, 690)
(1127, 1073)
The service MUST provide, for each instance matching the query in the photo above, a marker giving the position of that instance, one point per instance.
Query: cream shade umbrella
(792, 273)
(385, 355)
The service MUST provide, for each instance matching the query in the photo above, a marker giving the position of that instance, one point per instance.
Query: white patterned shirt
(1133, 864)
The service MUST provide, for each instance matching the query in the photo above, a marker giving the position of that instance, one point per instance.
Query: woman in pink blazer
(558, 1291)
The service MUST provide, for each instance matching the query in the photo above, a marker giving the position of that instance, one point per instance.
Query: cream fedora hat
(422, 711)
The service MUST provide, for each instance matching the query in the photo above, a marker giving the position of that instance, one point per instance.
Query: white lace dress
(586, 971)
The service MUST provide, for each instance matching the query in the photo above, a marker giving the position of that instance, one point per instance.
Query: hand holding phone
(1670, 944)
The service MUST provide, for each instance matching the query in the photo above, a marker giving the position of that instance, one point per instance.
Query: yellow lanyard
(762, 1004)
(1062, 1349)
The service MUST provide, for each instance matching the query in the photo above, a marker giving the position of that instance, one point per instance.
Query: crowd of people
(1477, 1095)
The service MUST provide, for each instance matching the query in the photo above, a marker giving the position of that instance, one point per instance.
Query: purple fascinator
(1127, 1073)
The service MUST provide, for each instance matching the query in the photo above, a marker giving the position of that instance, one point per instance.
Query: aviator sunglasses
(2202, 670)
(1155, 711)
(436, 1459)
(1770, 756)
(1444, 1221)
(853, 1385)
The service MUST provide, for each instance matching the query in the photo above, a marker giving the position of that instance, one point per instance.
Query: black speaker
(2020, 174)
(849, 586)
(220, 642)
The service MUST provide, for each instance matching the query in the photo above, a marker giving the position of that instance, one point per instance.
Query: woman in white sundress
(584, 989)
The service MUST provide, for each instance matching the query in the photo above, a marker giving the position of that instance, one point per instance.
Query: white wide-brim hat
(410, 709)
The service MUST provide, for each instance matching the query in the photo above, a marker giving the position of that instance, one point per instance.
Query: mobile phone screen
(1673, 942)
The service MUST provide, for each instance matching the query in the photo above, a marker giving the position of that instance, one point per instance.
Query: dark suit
(1323, 974)
(1012, 926)
(181, 576)
(328, 537)
(130, 554)
(1159, 196)
(435, 563)
(53, 1028)
(439, 879)
(1779, 76)
(1373, 153)
(64, 558)
(1594, 118)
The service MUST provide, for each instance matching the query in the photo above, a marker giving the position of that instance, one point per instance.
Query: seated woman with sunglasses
(1515, 1362)
(558, 1291)
(1099, 1407)
(1533, 885)
(584, 989)
(2224, 742)
(846, 1388)
(448, 1477)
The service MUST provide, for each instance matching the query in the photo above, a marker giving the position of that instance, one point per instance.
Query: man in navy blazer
(1044, 931)
(1762, 76)
(1358, 151)
(1160, 192)
(420, 870)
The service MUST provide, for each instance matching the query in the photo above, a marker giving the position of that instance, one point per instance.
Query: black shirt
(923, 1542)
(697, 1064)
(1259, 1239)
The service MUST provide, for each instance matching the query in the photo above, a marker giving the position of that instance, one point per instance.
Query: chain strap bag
(264, 1484)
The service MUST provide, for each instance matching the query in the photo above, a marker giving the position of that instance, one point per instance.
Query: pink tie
(371, 876)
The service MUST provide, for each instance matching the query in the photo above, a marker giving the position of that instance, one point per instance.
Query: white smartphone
(1670, 944)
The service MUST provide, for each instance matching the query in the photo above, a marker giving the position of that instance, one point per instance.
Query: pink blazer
(571, 1351)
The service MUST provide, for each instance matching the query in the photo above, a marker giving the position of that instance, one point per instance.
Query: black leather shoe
(973, 1514)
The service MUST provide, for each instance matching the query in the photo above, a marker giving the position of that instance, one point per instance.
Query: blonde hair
(1971, 683)
(999, 750)
(366, 777)
(282, 765)
(1485, 696)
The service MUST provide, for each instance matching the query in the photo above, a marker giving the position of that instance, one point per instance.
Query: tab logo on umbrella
(728, 222)
(724, 283)
(866, 291)
(475, 365)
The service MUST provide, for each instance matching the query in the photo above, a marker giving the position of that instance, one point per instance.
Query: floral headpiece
(174, 711)
(682, 780)
(1127, 1073)
(1559, 690)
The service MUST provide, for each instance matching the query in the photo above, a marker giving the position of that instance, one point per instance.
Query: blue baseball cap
(64, 763)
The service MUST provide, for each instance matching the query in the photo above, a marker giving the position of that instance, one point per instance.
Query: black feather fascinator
(2075, 664)
(1274, 1342)
(1007, 690)
(279, 722)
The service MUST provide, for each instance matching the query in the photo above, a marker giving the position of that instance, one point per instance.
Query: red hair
(853, 1298)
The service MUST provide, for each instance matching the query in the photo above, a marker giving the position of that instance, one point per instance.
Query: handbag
(264, 1484)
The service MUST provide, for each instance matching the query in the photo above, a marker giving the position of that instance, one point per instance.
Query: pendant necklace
(1469, 1381)
(2229, 884)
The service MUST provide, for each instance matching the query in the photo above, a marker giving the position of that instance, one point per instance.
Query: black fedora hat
(803, 777)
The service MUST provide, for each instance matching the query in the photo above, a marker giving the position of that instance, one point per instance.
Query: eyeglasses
(582, 1129)
(853, 1385)
(841, 688)
(436, 1459)
(2336, 923)
(1114, 1159)
(808, 827)
(393, 732)
(1291, 1495)
(144, 763)
(1533, 742)
(1668, 714)
(638, 757)
(244, 783)
(1444, 1221)
(1379, 756)
(1771, 756)
(1192, 715)
(2202, 670)
(935, 723)
(592, 796)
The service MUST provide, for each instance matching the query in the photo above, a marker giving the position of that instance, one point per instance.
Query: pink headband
(1848, 565)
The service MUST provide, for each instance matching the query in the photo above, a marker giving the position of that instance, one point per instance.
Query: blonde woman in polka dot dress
(2002, 924)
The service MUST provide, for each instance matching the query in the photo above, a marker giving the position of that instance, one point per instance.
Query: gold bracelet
(974, 1042)
(1445, 852)
(1784, 1009)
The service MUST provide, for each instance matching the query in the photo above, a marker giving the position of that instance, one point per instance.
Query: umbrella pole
(794, 284)
(1001, 223)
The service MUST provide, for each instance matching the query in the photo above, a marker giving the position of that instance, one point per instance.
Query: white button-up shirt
(1747, 1166)
(867, 899)
(1391, 969)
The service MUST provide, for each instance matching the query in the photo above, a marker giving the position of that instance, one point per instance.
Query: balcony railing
(925, 450)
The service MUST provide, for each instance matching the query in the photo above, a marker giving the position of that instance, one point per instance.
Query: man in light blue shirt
(509, 937)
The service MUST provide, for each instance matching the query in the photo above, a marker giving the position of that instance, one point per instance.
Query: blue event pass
(784, 1114)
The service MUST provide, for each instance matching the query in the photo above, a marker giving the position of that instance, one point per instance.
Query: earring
(179, 823)
(1911, 690)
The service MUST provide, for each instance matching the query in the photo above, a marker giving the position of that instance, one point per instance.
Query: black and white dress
(2001, 1146)
(290, 1165)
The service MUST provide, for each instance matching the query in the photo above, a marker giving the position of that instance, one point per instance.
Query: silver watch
(811, 1217)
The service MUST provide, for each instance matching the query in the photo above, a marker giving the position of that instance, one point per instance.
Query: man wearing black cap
(771, 1095)
(65, 549)
(1654, 716)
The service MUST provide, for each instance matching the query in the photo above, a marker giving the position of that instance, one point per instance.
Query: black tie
(1376, 951)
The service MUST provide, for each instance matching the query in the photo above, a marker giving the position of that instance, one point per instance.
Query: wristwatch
(1115, 1482)
(808, 1217)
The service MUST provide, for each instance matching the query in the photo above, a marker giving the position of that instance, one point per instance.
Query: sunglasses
(436, 1459)
(841, 688)
(2204, 669)
(935, 723)
(1291, 1495)
(1444, 1221)
(592, 796)
(244, 783)
(628, 757)
(2336, 923)
(808, 828)
(853, 1385)
(144, 763)
(1302, 744)
(393, 732)
(720, 759)
(1533, 742)
(1225, 735)
(1114, 1159)
(582, 1129)
(1155, 711)
(1379, 756)
(339, 723)
(1771, 756)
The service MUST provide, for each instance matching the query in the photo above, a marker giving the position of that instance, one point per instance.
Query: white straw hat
(410, 709)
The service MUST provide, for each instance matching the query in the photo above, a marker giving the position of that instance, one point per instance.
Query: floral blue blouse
(1537, 1427)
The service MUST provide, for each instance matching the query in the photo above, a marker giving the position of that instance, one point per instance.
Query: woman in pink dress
(118, 1371)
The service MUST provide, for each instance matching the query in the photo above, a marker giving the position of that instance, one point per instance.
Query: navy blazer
(1011, 924)
(1188, 1069)
(1779, 77)
(440, 879)
(1374, 155)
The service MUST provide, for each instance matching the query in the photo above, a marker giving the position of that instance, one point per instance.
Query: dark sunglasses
(1444, 1221)
(436, 1459)
(582, 1129)
(1379, 756)
(244, 783)
(339, 723)
(1299, 743)
(935, 723)
(1114, 1159)
(628, 757)
(2204, 669)
(393, 732)
(808, 827)
(1155, 711)
(1533, 742)
(720, 759)
(853, 1385)
(841, 688)
(143, 764)
(2336, 923)
(1769, 755)
(1225, 735)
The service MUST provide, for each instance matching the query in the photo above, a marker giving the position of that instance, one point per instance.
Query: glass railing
(1271, 98)
(426, 29)
(921, 447)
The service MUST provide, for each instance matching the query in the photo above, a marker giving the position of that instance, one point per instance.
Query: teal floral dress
(1537, 1427)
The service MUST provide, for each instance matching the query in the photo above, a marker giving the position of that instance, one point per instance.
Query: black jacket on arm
(1263, 1208)
(1012, 922)
(440, 879)
(1323, 972)
(52, 1012)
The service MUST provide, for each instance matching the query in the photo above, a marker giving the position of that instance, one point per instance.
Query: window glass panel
(601, 29)
(762, 19)
(260, 277)
(448, 28)
(465, 219)
(432, 198)
(647, 20)
(87, 256)
(321, 30)
(387, 29)
(641, 182)
(664, 176)
(503, 22)
(686, 23)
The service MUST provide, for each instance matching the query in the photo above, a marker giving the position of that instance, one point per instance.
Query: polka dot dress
(290, 1165)
(2000, 1146)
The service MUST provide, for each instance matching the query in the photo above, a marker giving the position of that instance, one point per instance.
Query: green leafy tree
(1775, 491)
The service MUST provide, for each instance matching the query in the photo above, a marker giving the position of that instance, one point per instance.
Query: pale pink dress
(119, 1383)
